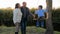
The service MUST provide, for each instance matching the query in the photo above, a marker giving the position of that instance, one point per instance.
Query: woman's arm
(15, 16)
(20, 12)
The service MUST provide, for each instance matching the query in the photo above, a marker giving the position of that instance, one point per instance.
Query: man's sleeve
(45, 11)
(29, 13)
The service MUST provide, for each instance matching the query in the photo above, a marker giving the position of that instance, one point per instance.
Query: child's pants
(38, 24)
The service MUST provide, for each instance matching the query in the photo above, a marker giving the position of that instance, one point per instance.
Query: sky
(30, 3)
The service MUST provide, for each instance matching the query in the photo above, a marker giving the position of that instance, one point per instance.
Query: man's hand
(46, 15)
(46, 18)
(33, 15)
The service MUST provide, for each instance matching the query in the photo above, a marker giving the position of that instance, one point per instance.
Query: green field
(30, 30)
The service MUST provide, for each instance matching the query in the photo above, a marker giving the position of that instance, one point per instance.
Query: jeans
(41, 23)
(23, 27)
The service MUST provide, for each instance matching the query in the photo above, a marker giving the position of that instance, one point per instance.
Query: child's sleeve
(36, 12)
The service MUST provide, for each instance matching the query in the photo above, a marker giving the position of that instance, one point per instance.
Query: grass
(30, 30)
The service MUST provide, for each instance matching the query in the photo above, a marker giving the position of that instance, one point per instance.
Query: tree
(49, 20)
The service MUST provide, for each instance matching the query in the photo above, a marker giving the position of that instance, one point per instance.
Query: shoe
(16, 32)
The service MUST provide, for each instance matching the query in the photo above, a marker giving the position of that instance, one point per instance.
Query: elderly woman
(17, 15)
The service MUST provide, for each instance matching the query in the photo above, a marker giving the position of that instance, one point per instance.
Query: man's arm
(46, 15)
(29, 13)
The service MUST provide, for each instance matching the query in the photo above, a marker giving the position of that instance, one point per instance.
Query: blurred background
(7, 7)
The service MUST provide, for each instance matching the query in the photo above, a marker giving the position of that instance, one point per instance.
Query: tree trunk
(49, 20)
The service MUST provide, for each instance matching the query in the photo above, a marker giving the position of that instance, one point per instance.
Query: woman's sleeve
(15, 12)
(15, 16)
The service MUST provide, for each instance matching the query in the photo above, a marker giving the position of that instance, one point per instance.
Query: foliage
(6, 16)
(56, 15)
